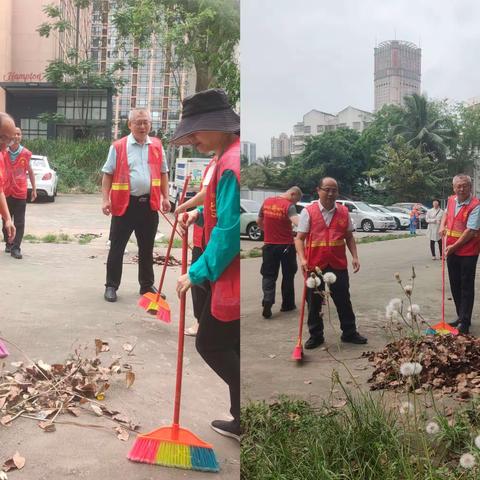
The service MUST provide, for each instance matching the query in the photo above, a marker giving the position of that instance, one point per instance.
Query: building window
(33, 128)
(307, 129)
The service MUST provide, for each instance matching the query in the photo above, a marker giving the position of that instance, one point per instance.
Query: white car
(46, 179)
(401, 219)
(367, 218)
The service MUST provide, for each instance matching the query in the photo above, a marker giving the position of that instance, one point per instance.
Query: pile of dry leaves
(450, 364)
(42, 392)
(160, 260)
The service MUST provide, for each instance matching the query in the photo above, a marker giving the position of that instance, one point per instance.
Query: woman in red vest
(210, 125)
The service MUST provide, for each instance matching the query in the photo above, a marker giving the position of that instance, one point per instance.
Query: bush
(78, 163)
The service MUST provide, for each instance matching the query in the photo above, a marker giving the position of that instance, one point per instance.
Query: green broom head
(174, 447)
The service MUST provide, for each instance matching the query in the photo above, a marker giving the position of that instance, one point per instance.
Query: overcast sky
(297, 55)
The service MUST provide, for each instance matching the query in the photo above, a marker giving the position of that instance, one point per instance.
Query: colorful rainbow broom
(297, 353)
(156, 303)
(175, 446)
(443, 328)
(3, 350)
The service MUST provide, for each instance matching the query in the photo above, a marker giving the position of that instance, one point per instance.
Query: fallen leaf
(47, 426)
(272, 356)
(18, 460)
(44, 366)
(307, 382)
(339, 404)
(122, 434)
(130, 378)
(16, 364)
(101, 346)
(128, 347)
(74, 411)
(96, 409)
(3, 476)
(6, 419)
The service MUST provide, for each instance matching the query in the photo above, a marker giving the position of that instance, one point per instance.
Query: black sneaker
(314, 342)
(288, 309)
(355, 338)
(16, 253)
(462, 328)
(144, 290)
(455, 323)
(267, 310)
(227, 428)
(110, 294)
(8, 248)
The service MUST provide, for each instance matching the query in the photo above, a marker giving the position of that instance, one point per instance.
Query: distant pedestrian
(433, 218)
(414, 215)
(134, 189)
(17, 167)
(461, 226)
(276, 217)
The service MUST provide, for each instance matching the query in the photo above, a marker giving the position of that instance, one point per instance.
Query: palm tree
(422, 128)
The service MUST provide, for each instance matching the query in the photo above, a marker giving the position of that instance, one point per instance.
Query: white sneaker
(192, 331)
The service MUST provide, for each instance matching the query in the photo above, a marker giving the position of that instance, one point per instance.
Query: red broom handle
(172, 236)
(304, 295)
(181, 331)
(179, 233)
(444, 244)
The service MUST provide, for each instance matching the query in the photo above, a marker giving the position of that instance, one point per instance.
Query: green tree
(202, 33)
(422, 127)
(334, 153)
(408, 173)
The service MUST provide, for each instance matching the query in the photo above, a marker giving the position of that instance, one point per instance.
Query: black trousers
(16, 207)
(432, 247)
(275, 256)
(461, 273)
(340, 293)
(198, 291)
(218, 343)
(138, 218)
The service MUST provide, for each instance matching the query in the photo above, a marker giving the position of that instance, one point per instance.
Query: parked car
(402, 219)
(423, 212)
(367, 218)
(46, 178)
(248, 219)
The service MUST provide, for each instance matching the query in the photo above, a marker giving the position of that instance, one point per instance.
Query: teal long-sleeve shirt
(224, 243)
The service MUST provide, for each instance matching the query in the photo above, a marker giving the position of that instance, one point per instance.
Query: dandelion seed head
(477, 441)
(467, 460)
(395, 304)
(417, 368)
(389, 312)
(329, 278)
(310, 282)
(432, 428)
(407, 369)
(318, 282)
(408, 316)
(414, 309)
(397, 277)
(408, 289)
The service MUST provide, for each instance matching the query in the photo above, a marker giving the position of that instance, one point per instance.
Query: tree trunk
(204, 78)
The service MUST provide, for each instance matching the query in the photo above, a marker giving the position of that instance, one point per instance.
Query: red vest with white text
(226, 289)
(277, 227)
(120, 192)
(197, 229)
(16, 174)
(457, 224)
(327, 242)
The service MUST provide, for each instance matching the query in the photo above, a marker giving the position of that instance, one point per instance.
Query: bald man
(276, 217)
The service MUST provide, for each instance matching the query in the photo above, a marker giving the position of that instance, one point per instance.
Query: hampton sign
(23, 77)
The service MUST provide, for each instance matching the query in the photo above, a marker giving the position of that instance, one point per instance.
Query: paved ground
(267, 345)
(52, 301)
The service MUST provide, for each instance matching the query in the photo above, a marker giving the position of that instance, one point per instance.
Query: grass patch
(49, 238)
(177, 242)
(382, 238)
(365, 440)
(85, 238)
(255, 252)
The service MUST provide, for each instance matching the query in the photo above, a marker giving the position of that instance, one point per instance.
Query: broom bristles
(3, 350)
(174, 453)
(444, 328)
(164, 315)
(297, 353)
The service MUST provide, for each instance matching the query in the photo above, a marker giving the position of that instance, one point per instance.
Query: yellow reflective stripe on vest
(156, 182)
(333, 243)
(454, 233)
(119, 186)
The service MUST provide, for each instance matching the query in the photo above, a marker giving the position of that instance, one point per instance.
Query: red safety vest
(328, 242)
(16, 174)
(197, 229)
(120, 192)
(277, 226)
(226, 290)
(2, 173)
(457, 224)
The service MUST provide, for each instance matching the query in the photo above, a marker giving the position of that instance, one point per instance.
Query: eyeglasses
(140, 123)
(329, 190)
